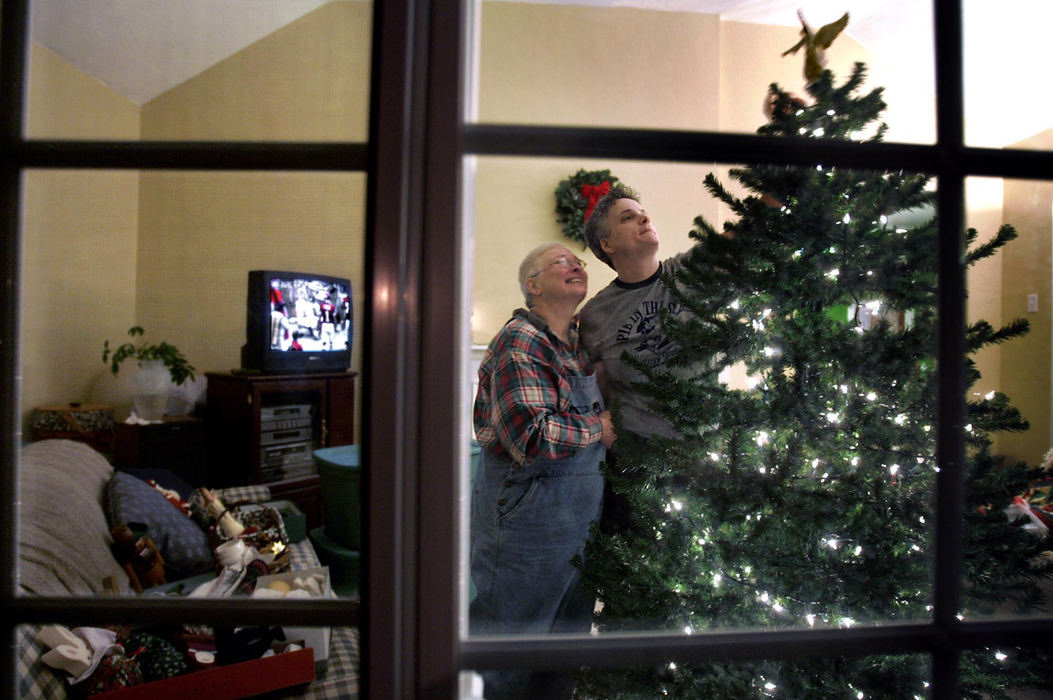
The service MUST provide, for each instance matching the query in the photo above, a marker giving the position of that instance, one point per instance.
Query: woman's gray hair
(596, 228)
(528, 268)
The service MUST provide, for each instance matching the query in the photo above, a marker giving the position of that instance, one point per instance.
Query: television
(297, 322)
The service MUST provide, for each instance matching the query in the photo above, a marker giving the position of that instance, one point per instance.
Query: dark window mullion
(692, 147)
(12, 62)
(192, 155)
(950, 444)
(710, 147)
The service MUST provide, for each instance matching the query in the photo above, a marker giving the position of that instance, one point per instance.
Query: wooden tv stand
(263, 429)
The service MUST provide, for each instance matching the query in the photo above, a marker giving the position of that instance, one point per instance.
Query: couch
(65, 489)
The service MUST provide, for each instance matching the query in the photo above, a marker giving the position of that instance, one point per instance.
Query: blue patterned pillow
(182, 542)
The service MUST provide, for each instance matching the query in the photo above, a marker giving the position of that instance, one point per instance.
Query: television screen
(308, 314)
(297, 322)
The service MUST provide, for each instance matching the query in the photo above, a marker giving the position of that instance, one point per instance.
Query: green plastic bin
(343, 563)
(338, 468)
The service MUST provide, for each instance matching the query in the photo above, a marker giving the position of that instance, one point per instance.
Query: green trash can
(338, 468)
(343, 563)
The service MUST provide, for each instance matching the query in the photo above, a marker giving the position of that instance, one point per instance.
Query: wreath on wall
(575, 198)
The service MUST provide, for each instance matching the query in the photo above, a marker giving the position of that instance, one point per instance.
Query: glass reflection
(658, 69)
(771, 378)
(291, 71)
(1010, 291)
(171, 252)
(1000, 50)
(281, 661)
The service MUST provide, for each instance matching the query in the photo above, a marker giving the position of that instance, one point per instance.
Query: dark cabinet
(263, 429)
(176, 444)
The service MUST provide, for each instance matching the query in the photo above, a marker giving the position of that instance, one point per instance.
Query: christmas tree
(806, 498)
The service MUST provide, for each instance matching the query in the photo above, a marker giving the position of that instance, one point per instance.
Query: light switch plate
(1032, 303)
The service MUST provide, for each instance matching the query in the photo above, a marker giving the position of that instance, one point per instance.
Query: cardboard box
(316, 638)
(241, 680)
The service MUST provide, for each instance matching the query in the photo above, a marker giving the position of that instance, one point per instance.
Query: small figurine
(227, 524)
(815, 44)
(138, 556)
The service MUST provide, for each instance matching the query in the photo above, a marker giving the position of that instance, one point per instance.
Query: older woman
(543, 430)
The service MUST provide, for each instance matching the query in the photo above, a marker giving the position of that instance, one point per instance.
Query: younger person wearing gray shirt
(623, 316)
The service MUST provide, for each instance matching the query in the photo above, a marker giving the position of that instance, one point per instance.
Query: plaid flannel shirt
(522, 409)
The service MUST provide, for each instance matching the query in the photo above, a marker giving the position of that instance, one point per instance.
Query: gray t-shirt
(623, 317)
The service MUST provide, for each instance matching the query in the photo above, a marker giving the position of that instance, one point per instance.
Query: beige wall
(79, 239)
(1026, 269)
(78, 270)
(171, 251)
(564, 64)
(64, 102)
(309, 81)
(984, 279)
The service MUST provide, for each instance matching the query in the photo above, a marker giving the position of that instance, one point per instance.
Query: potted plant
(160, 366)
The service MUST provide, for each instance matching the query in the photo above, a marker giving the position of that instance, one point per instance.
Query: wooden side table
(176, 444)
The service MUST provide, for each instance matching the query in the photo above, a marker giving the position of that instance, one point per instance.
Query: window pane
(904, 676)
(555, 64)
(775, 437)
(154, 653)
(298, 71)
(171, 252)
(1001, 43)
(1010, 291)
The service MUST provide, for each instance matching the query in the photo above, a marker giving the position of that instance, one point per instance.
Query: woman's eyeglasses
(562, 261)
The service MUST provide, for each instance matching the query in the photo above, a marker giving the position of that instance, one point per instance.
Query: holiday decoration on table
(575, 198)
(804, 497)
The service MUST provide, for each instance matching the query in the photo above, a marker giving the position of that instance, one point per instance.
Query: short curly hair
(597, 228)
(528, 268)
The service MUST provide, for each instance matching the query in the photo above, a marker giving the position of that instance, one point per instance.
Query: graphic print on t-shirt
(643, 330)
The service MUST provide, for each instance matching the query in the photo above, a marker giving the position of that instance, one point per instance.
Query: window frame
(413, 371)
(950, 161)
(18, 155)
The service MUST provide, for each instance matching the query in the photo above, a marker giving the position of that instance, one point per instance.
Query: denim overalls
(527, 524)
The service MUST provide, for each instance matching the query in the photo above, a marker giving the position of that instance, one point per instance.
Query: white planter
(153, 383)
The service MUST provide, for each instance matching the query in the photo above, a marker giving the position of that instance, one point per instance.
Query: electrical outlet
(1032, 303)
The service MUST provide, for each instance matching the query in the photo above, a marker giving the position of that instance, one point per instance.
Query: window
(105, 186)
(421, 144)
(544, 134)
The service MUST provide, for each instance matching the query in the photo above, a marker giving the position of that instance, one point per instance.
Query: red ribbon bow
(592, 194)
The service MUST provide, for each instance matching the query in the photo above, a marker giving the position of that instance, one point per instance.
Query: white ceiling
(142, 48)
